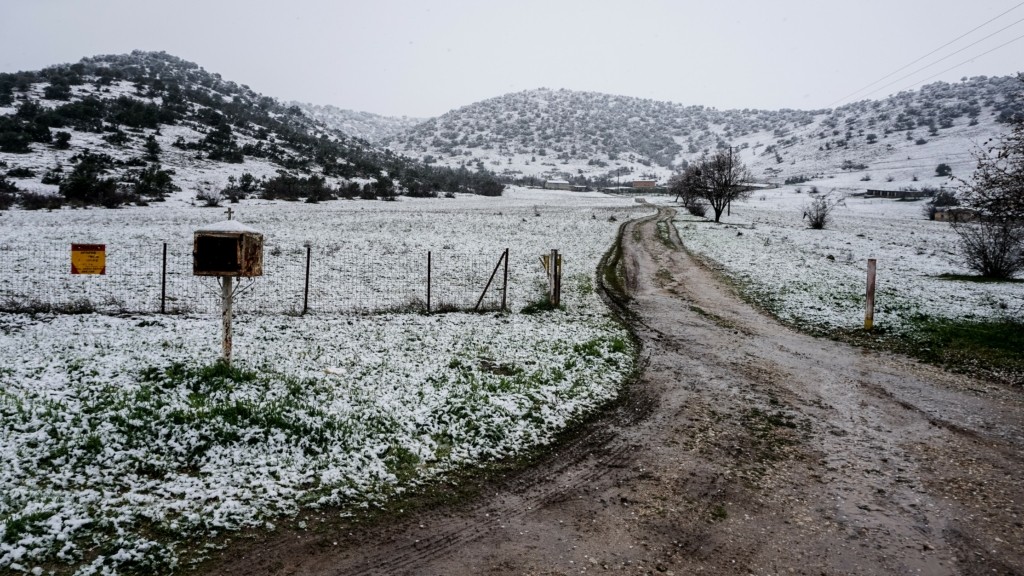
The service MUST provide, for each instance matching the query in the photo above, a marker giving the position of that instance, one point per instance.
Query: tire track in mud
(744, 448)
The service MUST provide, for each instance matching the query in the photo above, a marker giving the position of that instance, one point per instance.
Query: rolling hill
(598, 138)
(147, 126)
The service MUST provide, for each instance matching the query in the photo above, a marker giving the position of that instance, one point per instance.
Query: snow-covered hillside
(370, 127)
(144, 127)
(575, 135)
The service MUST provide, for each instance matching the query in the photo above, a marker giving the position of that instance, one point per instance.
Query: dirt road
(744, 448)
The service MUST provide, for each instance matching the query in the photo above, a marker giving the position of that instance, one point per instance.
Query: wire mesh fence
(157, 277)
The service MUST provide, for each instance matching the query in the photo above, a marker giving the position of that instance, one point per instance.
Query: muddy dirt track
(743, 448)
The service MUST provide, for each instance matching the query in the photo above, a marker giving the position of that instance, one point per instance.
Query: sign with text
(88, 258)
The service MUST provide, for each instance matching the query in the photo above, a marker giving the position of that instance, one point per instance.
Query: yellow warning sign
(545, 261)
(88, 258)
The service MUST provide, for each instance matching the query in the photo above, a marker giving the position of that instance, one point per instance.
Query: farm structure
(955, 214)
(557, 185)
(900, 194)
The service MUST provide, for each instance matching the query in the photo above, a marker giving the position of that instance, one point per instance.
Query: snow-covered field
(365, 255)
(123, 443)
(817, 278)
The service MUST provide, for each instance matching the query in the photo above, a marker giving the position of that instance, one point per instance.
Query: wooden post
(305, 291)
(869, 306)
(504, 287)
(554, 280)
(558, 279)
(428, 281)
(163, 283)
(225, 311)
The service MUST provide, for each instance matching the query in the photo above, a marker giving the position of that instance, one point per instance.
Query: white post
(225, 310)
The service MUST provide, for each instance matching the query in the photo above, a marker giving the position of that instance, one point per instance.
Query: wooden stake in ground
(555, 279)
(869, 306)
(225, 312)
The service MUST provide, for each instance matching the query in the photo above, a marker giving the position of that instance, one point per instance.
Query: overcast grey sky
(423, 58)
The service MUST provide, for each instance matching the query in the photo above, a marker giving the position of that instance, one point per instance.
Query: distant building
(899, 193)
(955, 214)
(645, 183)
(557, 185)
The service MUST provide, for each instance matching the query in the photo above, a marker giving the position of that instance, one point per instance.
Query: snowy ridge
(373, 128)
(566, 134)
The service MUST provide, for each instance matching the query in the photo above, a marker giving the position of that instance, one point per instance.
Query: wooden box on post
(227, 248)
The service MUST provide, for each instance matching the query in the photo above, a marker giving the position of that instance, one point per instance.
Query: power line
(904, 77)
(972, 58)
(894, 72)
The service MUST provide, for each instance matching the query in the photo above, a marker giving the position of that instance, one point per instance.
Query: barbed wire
(37, 277)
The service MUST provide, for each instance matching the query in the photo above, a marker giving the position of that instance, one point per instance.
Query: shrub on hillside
(287, 187)
(85, 186)
(818, 212)
(20, 172)
(151, 182)
(490, 188)
(209, 198)
(992, 247)
(53, 176)
(696, 207)
(62, 140)
(7, 190)
(38, 201)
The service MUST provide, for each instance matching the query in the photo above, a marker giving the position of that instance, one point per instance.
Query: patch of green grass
(664, 235)
(590, 348)
(979, 279)
(542, 305)
(402, 462)
(17, 525)
(995, 344)
(619, 345)
(718, 513)
(664, 276)
(989, 348)
(584, 284)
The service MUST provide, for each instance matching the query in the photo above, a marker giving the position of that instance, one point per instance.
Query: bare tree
(718, 179)
(997, 187)
(992, 241)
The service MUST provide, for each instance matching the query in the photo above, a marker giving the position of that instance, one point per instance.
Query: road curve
(743, 448)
